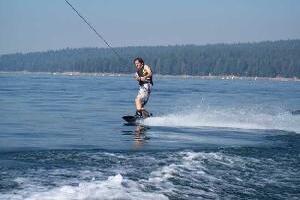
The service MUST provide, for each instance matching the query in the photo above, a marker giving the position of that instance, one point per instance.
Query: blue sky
(39, 25)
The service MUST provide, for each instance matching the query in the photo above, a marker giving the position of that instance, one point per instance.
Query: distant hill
(263, 59)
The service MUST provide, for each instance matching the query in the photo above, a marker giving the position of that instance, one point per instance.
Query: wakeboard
(135, 118)
(131, 118)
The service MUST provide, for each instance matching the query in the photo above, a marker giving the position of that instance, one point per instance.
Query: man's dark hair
(139, 59)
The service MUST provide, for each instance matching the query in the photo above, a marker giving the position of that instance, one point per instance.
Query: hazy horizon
(90, 47)
(33, 26)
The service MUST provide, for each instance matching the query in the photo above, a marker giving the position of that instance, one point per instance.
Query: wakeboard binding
(143, 114)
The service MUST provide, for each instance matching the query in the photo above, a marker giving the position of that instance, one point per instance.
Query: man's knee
(138, 100)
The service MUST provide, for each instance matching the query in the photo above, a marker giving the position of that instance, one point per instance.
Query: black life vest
(142, 73)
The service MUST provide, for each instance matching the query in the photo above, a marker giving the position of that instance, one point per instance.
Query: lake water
(62, 137)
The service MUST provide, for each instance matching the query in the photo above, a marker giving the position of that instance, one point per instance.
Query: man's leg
(140, 110)
(145, 114)
(141, 100)
(138, 103)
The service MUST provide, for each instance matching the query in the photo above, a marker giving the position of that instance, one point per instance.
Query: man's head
(139, 63)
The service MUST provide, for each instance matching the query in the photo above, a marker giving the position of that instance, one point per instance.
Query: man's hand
(140, 78)
(137, 77)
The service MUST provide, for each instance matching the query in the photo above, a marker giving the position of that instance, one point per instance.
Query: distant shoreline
(224, 77)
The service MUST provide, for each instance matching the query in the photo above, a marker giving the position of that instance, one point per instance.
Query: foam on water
(183, 174)
(237, 117)
(115, 187)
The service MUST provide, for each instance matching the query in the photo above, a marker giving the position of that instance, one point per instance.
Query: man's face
(138, 65)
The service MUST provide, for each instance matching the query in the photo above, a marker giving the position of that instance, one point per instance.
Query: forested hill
(268, 59)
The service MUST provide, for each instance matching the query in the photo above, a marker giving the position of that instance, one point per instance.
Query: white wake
(239, 117)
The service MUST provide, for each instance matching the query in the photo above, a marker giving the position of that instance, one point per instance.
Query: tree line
(262, 59)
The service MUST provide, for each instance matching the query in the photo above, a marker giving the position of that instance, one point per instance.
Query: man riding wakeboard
(144, 77)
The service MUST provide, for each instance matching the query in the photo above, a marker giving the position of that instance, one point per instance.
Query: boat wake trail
(234, 117)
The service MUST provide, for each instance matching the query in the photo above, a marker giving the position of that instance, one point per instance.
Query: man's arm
(136, 76)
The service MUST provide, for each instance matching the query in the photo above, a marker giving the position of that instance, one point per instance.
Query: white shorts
(144, 92)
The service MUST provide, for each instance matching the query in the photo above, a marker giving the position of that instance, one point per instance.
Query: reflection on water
(139, 134)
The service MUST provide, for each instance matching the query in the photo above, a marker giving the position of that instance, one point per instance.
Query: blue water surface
(62, 137)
